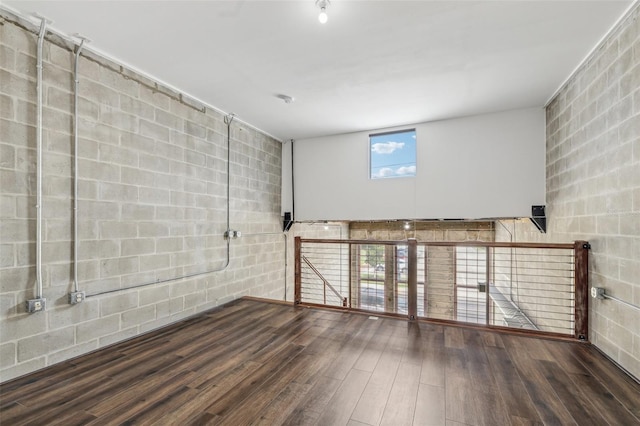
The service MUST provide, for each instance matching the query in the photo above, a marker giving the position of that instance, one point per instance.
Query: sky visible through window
(393, 154)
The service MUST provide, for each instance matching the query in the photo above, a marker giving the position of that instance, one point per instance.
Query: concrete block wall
(593, 184)
(152, 204)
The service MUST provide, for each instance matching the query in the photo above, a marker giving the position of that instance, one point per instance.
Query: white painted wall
(490, 165)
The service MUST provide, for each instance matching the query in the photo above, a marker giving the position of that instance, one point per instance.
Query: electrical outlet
(36, 305)
(597, 292)
(76, 297)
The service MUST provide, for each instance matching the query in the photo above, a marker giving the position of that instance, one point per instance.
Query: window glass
(393, 154)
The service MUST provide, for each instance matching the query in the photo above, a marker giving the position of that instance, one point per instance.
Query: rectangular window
(392, 154)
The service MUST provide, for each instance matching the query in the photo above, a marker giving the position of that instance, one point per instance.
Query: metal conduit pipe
(228, 119)
(75, 164)
(43, 30)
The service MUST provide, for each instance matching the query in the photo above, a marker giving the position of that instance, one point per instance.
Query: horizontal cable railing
(534, 287)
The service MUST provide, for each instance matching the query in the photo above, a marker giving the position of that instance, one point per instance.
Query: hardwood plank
(257, 400)
(281, 407)
(605, 403)
(434, 359)
(518, 403)
(314, 402)
(401, 405)
(570, 395)
(352, 349)
(477, 362)
(370, 355)
(370, 407)
(430, 406)
(197, 405)
(339, 409)
(622, 386)
(458, 387)
(549, 407)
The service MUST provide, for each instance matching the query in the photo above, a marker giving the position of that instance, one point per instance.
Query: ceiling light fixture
(322, 4)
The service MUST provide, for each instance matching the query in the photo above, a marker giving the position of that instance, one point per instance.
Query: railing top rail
(446, 243)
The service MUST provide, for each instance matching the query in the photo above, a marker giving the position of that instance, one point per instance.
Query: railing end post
(581, 288)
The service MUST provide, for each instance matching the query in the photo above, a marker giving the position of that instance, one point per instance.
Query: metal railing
(538, 288)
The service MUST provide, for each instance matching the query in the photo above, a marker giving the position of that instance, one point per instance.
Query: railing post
(297, 297)
(412, 278)
(581, 277)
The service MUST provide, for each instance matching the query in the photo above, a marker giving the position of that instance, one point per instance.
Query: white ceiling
(375, 64)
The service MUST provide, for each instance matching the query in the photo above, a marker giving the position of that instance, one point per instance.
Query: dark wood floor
(264, 363)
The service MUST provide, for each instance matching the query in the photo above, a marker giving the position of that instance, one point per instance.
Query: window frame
(393, 132)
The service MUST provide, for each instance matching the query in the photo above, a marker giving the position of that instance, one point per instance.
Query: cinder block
(138, 212)
(57, 229)
(22, 368)
(119, 82)
(42, 344)
(6, 107)
(117, 155)
(118, 337)
(97, 328)
(63, 316)
(629, 272)
(159, 197)
(154, 262)
(118, 192)
(88, 270)
(72, 352)
(56, 76)
(119, 303)
(169, 150)
(168, 119)
(138, 177)
(8, 305)
(196, 158)
(118, 266)
(99, 210)
(94, 131)
(195, 129)
(117, 229)
(26, 65)
(153, 97)
(152, 229)
(7, 255)
(56, 164)
(138, 316)
(61, 57)
(136, 107)
(155, 163)
(17, 134)
(137, 142)
(168, 245)
(100, 93)
(137, 246)
(119, 120)
(154, 130)
(98, 249)
(170, 213)
(7, 58)
(7, 156)
(7, 354)
(17, 230)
